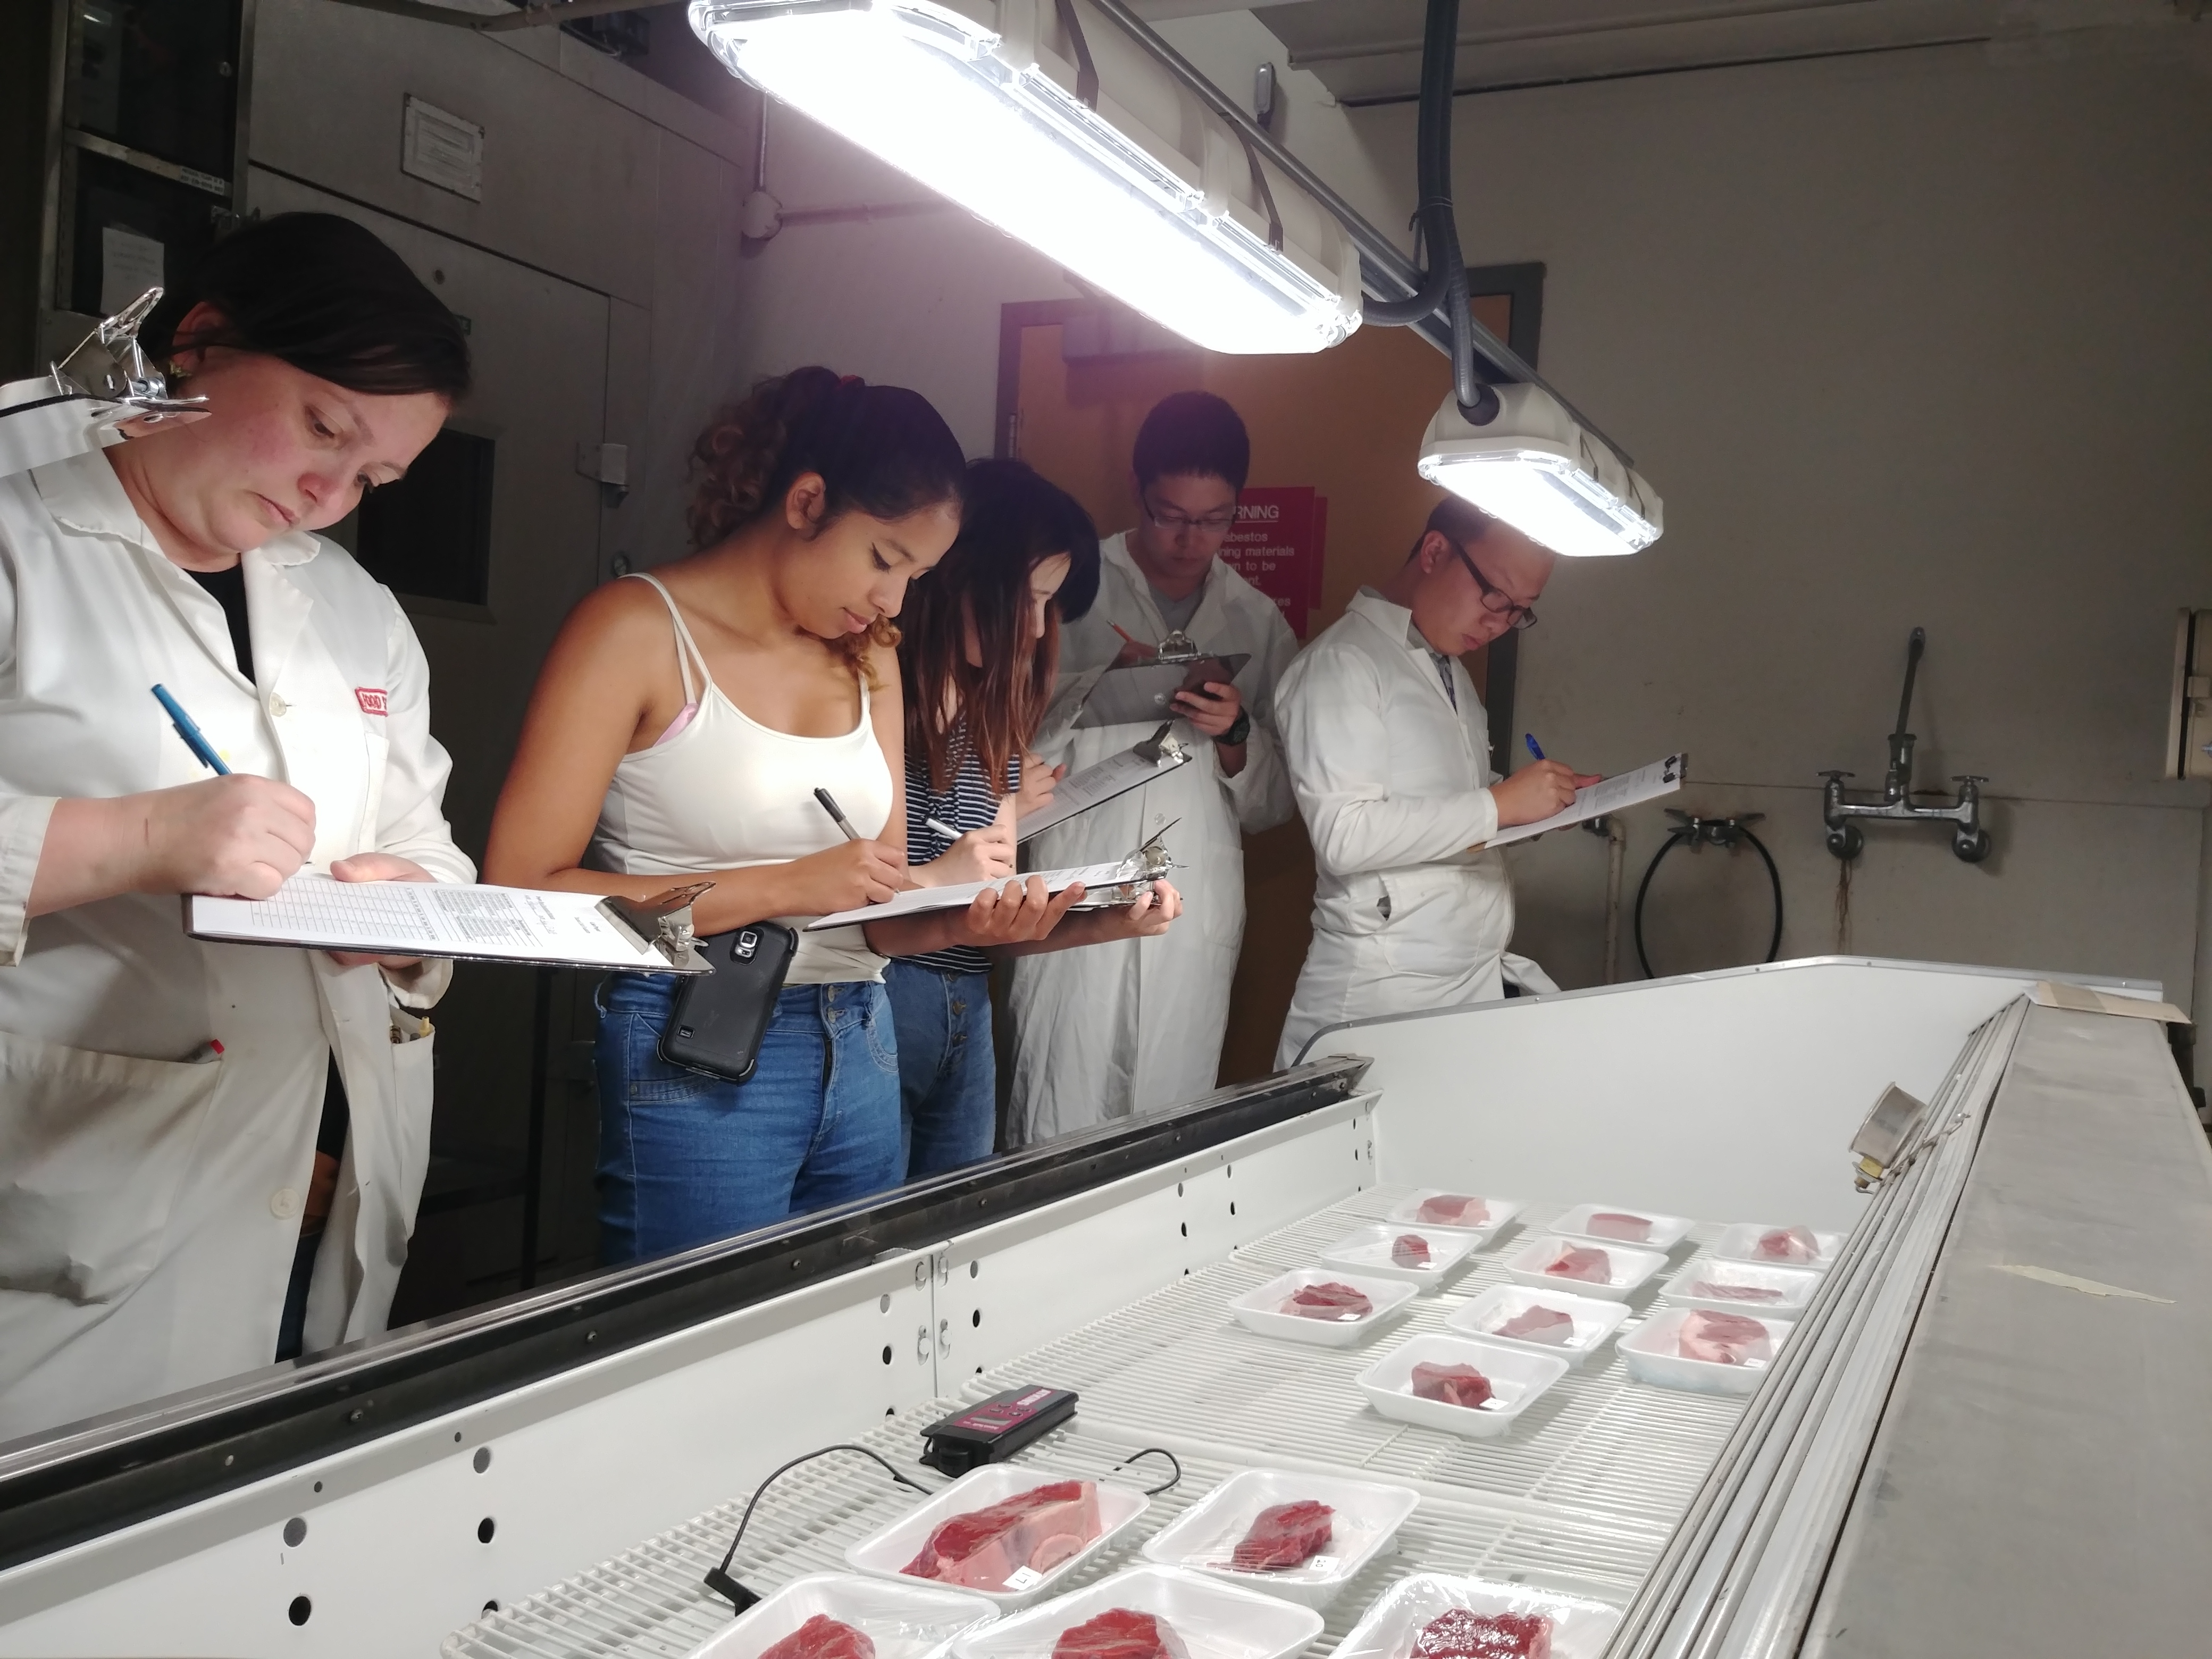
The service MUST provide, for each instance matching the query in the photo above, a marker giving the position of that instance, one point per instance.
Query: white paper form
(1612, 794)
(920, 901)
(426, 919)
(1094, 785)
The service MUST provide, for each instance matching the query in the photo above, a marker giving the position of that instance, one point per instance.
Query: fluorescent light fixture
(1535, 467)
(961, 97)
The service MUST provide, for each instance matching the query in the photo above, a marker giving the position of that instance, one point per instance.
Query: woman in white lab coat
(1388, 751)
(160, 1099)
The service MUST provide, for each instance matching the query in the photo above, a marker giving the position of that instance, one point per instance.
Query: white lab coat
(150, 1202)
(1394, 783)
(1136, 1025)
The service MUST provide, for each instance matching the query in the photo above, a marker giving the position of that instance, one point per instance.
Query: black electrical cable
(718, 1578)
(1433, 215)
(1154, 1452)
(1689, 833)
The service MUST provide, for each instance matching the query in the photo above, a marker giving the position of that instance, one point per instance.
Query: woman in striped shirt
(979, 647)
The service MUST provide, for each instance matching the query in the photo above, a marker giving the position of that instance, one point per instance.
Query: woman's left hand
(1019, 913)
(377, 866)
(1145, 919)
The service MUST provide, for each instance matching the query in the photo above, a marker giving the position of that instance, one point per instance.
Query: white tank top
(726, 793)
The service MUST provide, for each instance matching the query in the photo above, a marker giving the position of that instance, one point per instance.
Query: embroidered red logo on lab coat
(371, 699)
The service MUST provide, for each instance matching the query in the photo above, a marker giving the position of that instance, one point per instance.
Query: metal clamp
(661, 923)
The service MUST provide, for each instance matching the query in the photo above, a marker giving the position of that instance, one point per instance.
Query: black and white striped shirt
(971, 804)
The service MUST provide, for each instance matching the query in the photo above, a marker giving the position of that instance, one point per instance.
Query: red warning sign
(1277, 547)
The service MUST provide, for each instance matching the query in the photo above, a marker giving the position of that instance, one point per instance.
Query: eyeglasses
(1175, 525)
(1498, 604)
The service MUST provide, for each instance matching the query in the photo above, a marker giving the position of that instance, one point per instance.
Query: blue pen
(195, 739)
(1529, 737)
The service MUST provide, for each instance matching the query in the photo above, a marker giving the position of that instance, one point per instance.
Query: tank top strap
(688, 654)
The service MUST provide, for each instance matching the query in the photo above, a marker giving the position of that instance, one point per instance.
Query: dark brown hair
(1458, 520)
(881, 450)
(1014, 521)
(324, 294)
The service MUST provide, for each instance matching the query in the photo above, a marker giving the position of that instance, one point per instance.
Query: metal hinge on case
(661, 923)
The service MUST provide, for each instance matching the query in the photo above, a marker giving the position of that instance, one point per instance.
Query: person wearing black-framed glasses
(1388, 751)
(1137, 1025)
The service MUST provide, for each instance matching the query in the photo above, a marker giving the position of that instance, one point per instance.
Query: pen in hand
(942, 829)
(195, 739)
(829, 805)
(1529, 737)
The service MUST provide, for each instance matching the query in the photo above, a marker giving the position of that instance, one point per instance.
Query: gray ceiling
(1368, 50)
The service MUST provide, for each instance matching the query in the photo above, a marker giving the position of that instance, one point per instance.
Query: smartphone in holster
(720, 1018)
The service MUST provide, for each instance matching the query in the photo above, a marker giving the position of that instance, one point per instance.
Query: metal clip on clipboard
(1162, 747)
(661, 923)
(1134, 875)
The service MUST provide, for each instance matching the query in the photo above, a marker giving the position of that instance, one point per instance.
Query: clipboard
(1612, 794)
(1143, 693)
(467, 923)
(1112, 778)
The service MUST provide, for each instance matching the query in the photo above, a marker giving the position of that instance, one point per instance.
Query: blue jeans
(948, 1075)
(684, 1158)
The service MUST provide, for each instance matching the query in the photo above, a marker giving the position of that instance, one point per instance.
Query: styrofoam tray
(886, 1551)
(1667, 1231)
(1501, 1212)
(1203, 1538)
(1794, 1287)
(1368, 1251)
(1595, 1319)
(1215, 1621)
(908, 1620)
(1741, 1243)
(1580, 1628)
(1517, 1376)
(1260, 1310)
(1630, 1267)
(1653, 1354)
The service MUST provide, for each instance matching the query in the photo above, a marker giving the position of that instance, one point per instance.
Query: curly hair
(881, 450)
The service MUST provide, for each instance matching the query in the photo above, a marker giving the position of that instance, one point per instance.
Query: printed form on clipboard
(1612, 794)
(1105, 885)
(1109, 780)
(453, 919)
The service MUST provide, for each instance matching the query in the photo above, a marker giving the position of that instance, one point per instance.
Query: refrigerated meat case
(1984, 1435)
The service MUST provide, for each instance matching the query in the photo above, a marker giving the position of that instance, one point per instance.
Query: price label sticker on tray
(1023, 1578)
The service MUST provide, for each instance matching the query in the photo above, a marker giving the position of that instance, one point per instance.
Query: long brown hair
(881, 450)
(1014, 521)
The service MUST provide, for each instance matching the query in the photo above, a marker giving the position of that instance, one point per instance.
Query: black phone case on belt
(719, 1018)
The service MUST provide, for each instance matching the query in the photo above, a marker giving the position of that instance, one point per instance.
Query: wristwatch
(1239, 729)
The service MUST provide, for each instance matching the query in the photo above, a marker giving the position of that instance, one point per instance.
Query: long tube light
(958, 97)
(1534, 465)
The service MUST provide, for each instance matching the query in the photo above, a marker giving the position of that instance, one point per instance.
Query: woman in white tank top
(680, 727)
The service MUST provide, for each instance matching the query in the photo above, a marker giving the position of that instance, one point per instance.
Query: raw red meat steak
(1452, 1210)
(1455, 1385)
(1287, 1535)
(822, 1638)
(1329, 1300)
(1463, 1633)
(1539, 1325)
(1121, 1633)
(1581, 1262)
(1409, 1250)
(1611, 1224)
(1038, 1528)
(1724, 1339)
(1788, 1244)
(1715, 1291)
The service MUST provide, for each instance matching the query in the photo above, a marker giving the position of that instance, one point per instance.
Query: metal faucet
(1969, 840)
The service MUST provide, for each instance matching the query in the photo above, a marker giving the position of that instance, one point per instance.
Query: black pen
(829, 805)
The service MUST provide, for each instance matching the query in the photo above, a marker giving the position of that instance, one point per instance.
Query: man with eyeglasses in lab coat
(1388, 750)
(1136, 1026)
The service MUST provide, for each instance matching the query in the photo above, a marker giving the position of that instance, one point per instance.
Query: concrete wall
(1908, 339)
